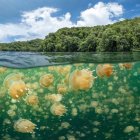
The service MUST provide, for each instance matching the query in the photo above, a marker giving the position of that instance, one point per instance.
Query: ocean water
(77, 96)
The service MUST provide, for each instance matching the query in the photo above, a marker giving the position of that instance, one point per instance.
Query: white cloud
(100, 14)
(39, 22)
(34, 24)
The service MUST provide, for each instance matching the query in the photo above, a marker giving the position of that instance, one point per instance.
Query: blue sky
(29, 19)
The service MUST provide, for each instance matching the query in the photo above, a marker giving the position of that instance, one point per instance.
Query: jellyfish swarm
(81, 79)
(58, 109)
(46, 80)
(24, 126)
(104, 70)
(17, 89)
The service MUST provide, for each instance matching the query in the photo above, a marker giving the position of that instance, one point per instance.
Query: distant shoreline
(122, 36)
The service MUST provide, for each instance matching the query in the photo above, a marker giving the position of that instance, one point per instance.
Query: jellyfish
(129, 129)
(32, 99)
(17, 89)
(51, 68)
(24, 126)
(61, 89)
(46, 80)
(125, 65)
(54, 97)
(74, 112)
(58, 109)
(81, 79)
(11, 113)
(64, 70)
(2, 69)
(99, 70)
(65, 125)
(11, 78)
(104, 70)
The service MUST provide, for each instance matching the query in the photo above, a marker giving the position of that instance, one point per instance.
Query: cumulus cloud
(100, 14)
(39, 22)
(35, 24)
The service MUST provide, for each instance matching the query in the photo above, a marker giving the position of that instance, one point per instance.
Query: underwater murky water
(80, 101)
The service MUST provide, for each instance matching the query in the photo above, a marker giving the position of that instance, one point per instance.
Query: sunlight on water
(83, 101)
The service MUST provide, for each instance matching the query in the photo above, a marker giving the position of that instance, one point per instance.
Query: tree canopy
(117, 37)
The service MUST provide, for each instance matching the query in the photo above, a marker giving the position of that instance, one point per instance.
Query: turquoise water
(91, 100)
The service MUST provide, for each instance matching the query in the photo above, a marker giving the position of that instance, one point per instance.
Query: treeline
(32, 45)
(121, 36)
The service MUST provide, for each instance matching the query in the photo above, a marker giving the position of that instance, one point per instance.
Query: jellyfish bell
(51, 68)
(66, 69)
(24, 126)
(108, 69)
(129, 129)
(2, 69)
(104, 70)
(63, 69)
(32, 99)
(18, 89)
(54, 97)
(126, 65)
(46, 80)
(81, 79)
(12, 78)
(11, 113)
(62, 89)
(58, 109)
(99, 70)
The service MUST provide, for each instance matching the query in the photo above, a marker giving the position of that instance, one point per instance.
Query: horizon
(36, 19)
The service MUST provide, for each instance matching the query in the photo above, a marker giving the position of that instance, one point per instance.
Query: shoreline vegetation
(123, 36)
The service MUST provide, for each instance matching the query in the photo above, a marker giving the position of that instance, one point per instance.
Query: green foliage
(120, 36)
(32, 45)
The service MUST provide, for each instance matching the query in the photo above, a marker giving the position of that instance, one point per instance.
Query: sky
(22, 20)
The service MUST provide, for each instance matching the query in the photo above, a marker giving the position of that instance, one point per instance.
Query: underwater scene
(75, 101)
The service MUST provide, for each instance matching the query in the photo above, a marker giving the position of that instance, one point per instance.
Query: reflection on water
(81, 101)
(30, 59)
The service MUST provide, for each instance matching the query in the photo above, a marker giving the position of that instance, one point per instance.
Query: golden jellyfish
(51, 68)
(12, 78)
(58, 109)
(24, 126)
(18, 89)
(62, 89)
(81, 79)
(66, 69)
(129, 129)
(46, 80)
(126, 65)
(63, 69)
(2, 69)
(54, 97)
(11, 113)
(32, 99)
(104, 70)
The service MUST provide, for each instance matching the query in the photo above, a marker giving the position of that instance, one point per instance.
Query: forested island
(117, 37)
